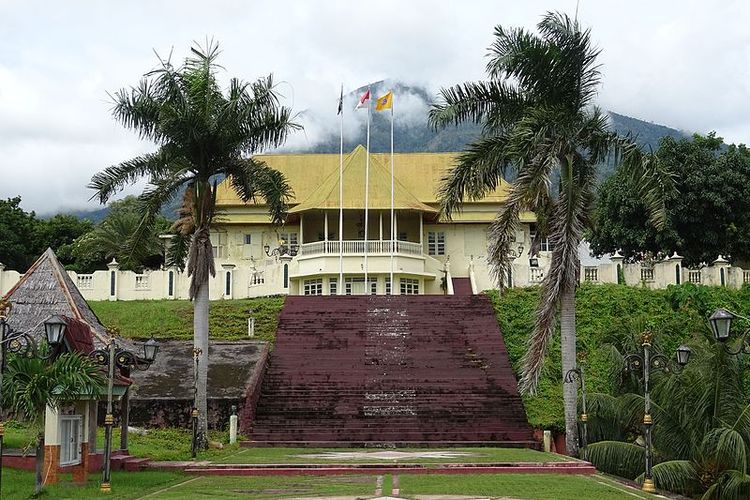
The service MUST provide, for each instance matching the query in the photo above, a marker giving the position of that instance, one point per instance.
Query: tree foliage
(112, 239)
(19, 245)
(708, 214)
(202, 133)
(540, 125)
(701, 428)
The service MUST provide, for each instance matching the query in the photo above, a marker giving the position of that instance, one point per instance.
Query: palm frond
(731, 485)
(495, 104)
(252, 179)
(477, 172)
(679, 476)
(112, 179)
(618, 458)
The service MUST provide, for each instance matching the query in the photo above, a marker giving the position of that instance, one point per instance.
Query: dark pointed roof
(46, 290)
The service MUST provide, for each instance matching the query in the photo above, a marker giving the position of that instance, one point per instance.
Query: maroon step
(378, 369)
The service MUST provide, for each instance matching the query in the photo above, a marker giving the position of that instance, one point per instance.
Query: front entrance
(70, 439)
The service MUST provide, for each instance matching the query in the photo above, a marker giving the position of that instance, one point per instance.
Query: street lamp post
(721, 323)
(570, 377)
(23, 344)
(112, 357)
(647, 363)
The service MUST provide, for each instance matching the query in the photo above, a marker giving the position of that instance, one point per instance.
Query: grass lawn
(292, 455)
(520, 486)
(125, 485)
(165, 485)
(174, 318)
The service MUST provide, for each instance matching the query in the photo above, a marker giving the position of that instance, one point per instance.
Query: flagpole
(340, 286)
(367, 187)
(393, 235)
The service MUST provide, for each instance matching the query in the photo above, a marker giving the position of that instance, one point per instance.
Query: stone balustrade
(271, 277)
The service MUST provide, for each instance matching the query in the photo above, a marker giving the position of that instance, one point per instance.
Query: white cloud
(685, 64)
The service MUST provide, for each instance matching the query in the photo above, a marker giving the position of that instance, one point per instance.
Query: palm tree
(701, 427)
(111, 238)
(32, 384)
(540, 125)
(201, 134)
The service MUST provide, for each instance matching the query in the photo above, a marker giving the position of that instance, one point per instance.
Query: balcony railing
(357, 247)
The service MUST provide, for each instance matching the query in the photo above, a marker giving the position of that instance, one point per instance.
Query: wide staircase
(414, 370)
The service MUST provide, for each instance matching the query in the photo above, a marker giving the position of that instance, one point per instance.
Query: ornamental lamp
(683, 355)
(721, 321)
(267, 248)
(150, 349)
(54, 329)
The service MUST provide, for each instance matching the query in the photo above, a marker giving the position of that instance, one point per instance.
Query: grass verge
(18, 485)
(302, 455)
(174, 318)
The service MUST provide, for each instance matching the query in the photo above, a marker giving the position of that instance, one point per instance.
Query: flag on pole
(384, 102)
(341, 101)
(364, 100)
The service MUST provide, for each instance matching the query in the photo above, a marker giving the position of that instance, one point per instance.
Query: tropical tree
(202, 134)
(112, 239)
(31, 384)
(707, 215)
(540, 126)
(701, 431)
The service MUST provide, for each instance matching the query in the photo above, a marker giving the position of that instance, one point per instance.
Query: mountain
(412, 133)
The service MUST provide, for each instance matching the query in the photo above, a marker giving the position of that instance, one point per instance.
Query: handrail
(357, 247)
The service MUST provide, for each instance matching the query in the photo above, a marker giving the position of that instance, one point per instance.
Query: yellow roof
(315, 181)
(326, 195)
(419, 173)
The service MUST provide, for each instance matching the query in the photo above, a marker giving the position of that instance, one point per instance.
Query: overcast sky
(685, 64)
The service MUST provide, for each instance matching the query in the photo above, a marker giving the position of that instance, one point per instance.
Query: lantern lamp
(721, 321)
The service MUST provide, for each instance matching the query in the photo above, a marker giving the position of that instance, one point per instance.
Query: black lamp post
(721, 323)
(646, 364)
(570, 377)
(282, 249)
(23, 344)
(110, 357)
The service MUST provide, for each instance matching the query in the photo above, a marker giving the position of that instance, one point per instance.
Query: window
(544, 244)
(70, 440)
(356, 286)
(409, 286)
(388, 286)
(313, 287)
(436, 243)
(401, 236)
(248, 239)
(333, 286)
(290, 238)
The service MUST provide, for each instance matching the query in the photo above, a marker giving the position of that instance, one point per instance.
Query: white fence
(272, 276)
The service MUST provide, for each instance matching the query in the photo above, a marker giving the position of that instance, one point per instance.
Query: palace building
(313, 253)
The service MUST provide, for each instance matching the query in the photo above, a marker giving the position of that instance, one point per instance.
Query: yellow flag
(385, 102)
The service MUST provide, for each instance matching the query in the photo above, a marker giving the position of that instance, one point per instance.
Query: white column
(301, 224)
(325, 226)
(421, 228)
(51, 426)
(381, 225)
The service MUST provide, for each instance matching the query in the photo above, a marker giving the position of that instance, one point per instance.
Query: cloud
(685, 64)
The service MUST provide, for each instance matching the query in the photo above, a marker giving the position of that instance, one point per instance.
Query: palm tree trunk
(200, 343)
(568, 347)
(39, 464)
